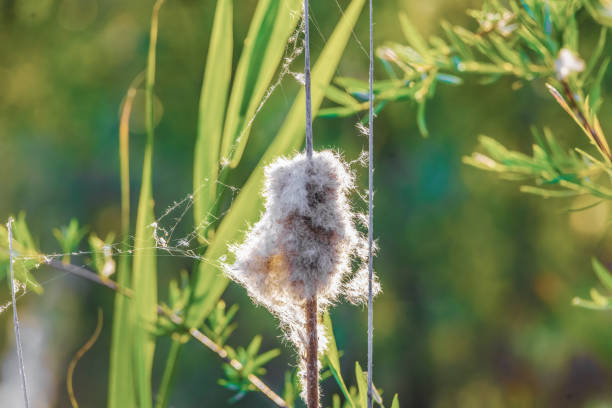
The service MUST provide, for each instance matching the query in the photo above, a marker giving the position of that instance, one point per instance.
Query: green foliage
(524, 40)
(554, 171)
(521, 40)
(353, 397)
(144, 268)
(102, 254)
(598, 301)
(26, 256)
(219, 325)
(69, 237)
(251, 362)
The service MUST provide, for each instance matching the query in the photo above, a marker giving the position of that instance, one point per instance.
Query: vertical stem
(163, 396)
(370, 208)
(24, 387)
(312, 357)
(307, 81)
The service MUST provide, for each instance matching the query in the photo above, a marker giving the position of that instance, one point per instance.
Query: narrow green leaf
(144, 277)
(362, 385)
(340, 97)
(272, 24)
(163, 396)
(395, 403)
(213, 99)
(339, 112)
(594, 59)
(421, 121)
(413, 36)
(333, 358)
(602, 273)
(209, 283)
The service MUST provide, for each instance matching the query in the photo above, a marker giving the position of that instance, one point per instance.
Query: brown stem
(589, 128)
(195, 333)
(312, 355)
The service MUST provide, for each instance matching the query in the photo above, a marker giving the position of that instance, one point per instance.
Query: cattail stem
(312, 357)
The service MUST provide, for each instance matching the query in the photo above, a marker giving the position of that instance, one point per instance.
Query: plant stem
(307, 81)
(195, 333)
(370, 206)
(18, 346)
(589, 128)
(312, 354)
(163, 395)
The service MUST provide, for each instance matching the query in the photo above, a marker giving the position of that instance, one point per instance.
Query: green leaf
(121, 376)
(421, 122)
(23, 245)
(333, 358)
(209, 283)
(362, 385)
(414, 38)
(272, 24)
(342, 98)
(338, 112)
(602, 273)
(395, 403)
(213, 99)
(121, 370)
(144, 278)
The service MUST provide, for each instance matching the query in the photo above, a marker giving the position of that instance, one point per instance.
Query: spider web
(165, 229)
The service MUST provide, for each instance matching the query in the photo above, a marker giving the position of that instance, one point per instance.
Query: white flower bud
(567, 63)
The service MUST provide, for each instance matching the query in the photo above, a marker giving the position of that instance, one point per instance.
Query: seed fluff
(306, 244)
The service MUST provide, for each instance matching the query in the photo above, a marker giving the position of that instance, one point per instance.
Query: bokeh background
(477, 278)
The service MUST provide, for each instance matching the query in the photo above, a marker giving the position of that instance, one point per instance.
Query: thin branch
(177, 320)
(18, 345)
(582, 117)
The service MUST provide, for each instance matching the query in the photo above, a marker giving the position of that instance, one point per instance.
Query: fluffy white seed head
(306, 243)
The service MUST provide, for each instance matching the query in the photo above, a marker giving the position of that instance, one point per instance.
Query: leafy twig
(177, 320)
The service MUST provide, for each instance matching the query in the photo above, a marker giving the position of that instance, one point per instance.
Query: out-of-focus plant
(524, 40)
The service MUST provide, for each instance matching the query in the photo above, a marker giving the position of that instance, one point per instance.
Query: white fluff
(305, 243)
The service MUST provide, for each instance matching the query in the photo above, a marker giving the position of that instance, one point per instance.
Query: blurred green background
(477, 278)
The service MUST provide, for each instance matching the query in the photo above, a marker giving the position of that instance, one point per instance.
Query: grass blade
(213, 98)
(209, 283)
(121, 378)
(163, 396)
(272, 24)
(333, 359)
(144, 278)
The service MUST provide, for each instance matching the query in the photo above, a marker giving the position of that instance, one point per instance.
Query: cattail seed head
(305, 244)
